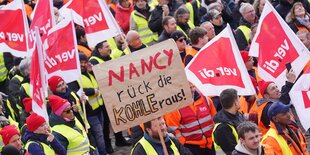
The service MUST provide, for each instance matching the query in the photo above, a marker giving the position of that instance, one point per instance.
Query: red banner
(13, 29)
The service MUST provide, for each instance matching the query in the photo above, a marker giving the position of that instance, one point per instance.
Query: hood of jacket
(241, 148)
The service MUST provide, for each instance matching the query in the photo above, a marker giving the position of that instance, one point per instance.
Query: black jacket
(283, 8)
(164, 36)
(226, 141)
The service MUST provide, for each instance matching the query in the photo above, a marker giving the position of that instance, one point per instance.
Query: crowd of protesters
(227, 124)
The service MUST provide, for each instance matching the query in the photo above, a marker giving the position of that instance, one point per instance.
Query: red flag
(37, 84)
(13, 29)
(60, 52)
(300, 97)
(217, 67)
(275, 44)
(95, 17)
(43, 18)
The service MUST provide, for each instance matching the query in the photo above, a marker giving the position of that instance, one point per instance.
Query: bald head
(133, 39)
(208, 26)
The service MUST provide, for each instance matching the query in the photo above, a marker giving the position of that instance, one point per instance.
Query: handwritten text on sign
(144, 85)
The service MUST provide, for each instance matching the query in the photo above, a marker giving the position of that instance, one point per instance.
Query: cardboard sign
(143, 85)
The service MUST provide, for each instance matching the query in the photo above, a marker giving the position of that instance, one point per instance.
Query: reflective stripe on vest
(46, 149)
(12, 111)
(96, 58)
(78, 104)
(94, 101)
(144, 31)
(281, 141)
(3, 69)
(246, 32)
(149, 149)
(78, 142)
(116, 53)
(217, 148)
(198, 124)
(20, 78)
(26, 87)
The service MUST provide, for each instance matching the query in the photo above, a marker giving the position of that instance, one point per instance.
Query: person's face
(183, 19)
(42, 129)
(249, 64)
(204, 40)
(171, 26)
(141, 4)
(163, 2)
(210, 30)
(303, 38)
(136, 41)
(84, 65)
(261, 6)
(251, 140)
(237, 103)
(68, 113)
(105, 50)
(283, 118)
(273, 91)
(61, 87)
(299, 11)
(119, 40)
(157, 123)
(249, 14)
(218, 20)
(16, 142)
(125, 3)
(181, 43)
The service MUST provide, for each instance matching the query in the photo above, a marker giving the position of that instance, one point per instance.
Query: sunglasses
(69, 110)
(181, 40)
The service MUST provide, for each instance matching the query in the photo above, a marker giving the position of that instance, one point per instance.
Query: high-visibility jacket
(96, 58)
(116, 53)
(190, 8)
(149, 149)
(91, 82)
(283, 144)
(145, 33)
(193, 124)
(46, 148)
(258, 109)
(79, 105)
(78, 142)
(13, 113)
(3, 69)
(26, 87)
(218, 149)
(85, 50)
(246, 32)
(190, 51)
(20, 78)
(191, 26)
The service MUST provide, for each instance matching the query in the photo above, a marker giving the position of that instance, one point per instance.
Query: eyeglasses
(68, 110)
(181, 40)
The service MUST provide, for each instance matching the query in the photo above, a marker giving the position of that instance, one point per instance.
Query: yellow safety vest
(282, 143)
(112, 43)
(26, 87)
(116, 53)
(94, 101)
(47, 149)
(78, 142)
(191, 26)
(190, 8)
(149, 149)
(144, 31)
(77, 101)
(3, 69)
(12, 111)
(246, 32)
(20, 78)
(218, 149)
(96, 58)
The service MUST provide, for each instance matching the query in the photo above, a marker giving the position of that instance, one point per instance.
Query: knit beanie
(58, 104)
(27, 102)
(262, 85)
(8, 132)
(53, 82)
(34, 121)
(245, 56)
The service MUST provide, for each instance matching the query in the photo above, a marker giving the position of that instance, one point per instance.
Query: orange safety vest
(284, 144)
(196, 124)
(259, 111)
(190, 51)
(244, 105)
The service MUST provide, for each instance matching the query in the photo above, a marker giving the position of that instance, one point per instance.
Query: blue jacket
(37, 149)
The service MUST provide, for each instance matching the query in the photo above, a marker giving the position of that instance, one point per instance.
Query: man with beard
(150, 142)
